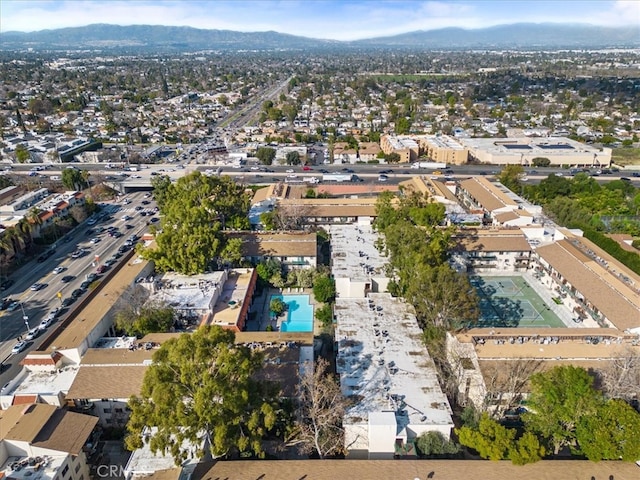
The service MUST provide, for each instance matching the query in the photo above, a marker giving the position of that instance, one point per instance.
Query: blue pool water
(299, 313)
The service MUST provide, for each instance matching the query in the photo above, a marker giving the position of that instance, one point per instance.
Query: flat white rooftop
(18, 468)
(195, 292)
(382, 360)
(354, 254)
(46, 383)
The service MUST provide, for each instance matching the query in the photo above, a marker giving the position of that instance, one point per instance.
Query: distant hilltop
(183, 39)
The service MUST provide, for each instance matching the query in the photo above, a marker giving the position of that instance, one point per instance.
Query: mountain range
(181, 39)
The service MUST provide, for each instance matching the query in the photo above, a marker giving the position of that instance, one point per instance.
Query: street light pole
(25, 317)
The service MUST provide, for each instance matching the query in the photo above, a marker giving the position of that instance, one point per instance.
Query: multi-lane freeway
(34, 305)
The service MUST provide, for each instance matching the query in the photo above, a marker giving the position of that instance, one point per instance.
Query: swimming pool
(299, 313)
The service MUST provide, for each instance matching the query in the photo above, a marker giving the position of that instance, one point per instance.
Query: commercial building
(522, 151)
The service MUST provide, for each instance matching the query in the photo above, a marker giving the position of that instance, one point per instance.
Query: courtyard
(510, 301)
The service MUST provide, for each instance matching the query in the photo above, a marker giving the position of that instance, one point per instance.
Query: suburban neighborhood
(322, 264)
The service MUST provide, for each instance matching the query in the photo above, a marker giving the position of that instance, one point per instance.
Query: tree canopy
(194, 212)
(559, 399)
(73, 179)
(418, 247)
(149, 319)
(266, 155)
(201, 388)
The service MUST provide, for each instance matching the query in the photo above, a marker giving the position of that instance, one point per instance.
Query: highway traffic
(59, 280)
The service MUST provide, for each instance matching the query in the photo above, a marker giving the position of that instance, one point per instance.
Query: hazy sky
(330, 19)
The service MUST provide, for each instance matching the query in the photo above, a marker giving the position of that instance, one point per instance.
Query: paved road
(35, 305)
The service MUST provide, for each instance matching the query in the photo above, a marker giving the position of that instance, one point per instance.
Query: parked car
(101, 269)
(67, 302)
(46, 323)
(33, 333)
(77, 293)
(18, 347)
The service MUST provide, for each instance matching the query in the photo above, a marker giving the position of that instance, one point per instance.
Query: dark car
(6, 284)
(101, 269)
(128, 226)
(635, 174)
(68, 301)
(67, 278)
(77, 293)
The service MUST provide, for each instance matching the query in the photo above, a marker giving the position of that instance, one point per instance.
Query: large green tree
(201, 388)
(73, 179)
(612, 433)
(559, 399)
(194, 213)
(324, 288)
(266, 155)
(148, 319)
(491, 440)
(510, 177)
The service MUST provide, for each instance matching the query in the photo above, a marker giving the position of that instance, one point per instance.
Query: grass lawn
(626, 156)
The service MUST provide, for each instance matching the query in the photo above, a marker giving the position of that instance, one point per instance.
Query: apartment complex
(406, 147)
(443, 149)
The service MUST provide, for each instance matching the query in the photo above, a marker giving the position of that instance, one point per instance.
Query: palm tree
(6, 244)
(34, 220)
(23, 230)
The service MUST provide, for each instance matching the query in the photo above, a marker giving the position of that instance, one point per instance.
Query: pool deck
(261, 307)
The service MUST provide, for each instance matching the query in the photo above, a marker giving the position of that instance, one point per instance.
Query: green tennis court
(511, 302)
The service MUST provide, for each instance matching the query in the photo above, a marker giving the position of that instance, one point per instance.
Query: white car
(290, 170)
(58, 270)
(44, 324)
(95, 240)
(18, 347)
(33, 333)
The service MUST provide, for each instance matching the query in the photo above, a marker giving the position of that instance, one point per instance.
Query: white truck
(337, 177)
(429, 165)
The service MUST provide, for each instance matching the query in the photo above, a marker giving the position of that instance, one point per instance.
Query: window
(106, 410)
(108, 420)
(77, 467)
(65, 470)
(118, 410)
(81, 477)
